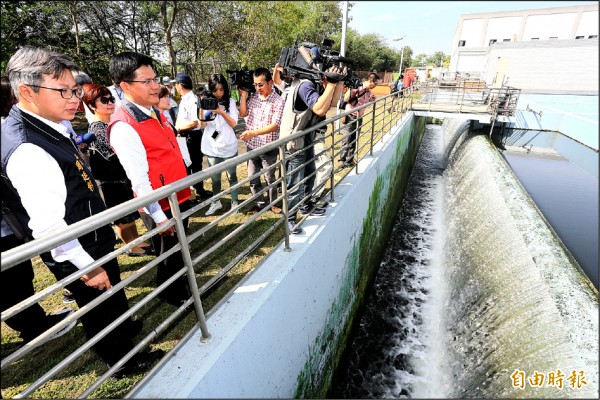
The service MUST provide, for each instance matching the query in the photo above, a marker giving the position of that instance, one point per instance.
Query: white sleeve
(41, 187)
(132, 154)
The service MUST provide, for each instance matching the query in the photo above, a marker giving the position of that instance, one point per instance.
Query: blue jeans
(231, 175)
(294, 195)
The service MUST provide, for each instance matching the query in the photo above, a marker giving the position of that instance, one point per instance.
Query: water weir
(517, 302)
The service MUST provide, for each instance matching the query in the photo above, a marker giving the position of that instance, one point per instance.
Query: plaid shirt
(263, 112)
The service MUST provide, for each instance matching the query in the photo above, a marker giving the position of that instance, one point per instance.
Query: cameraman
(355, 98)
(264, 110)
(306, 105)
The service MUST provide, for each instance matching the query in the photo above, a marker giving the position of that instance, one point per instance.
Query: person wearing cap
(306, 105)
(355, 98)
(188, 125)
(145, 143)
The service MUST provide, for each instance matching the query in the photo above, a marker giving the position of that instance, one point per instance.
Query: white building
(550, 50)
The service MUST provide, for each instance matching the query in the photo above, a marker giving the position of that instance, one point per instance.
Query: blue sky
(429, 26)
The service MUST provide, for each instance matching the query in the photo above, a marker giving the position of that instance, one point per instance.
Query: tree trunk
(168, 27)
(73, 10)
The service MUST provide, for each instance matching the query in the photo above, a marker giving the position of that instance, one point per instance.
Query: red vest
(165, 162)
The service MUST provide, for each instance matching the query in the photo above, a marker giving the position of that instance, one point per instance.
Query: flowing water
(473, 287)
(388, 357)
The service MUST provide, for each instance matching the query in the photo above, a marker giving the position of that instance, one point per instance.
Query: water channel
(400, 348)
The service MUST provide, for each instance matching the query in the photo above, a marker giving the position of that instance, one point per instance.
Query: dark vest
(83, 197)
(165, 162)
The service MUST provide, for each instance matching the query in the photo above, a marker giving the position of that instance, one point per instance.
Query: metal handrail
(35, 247)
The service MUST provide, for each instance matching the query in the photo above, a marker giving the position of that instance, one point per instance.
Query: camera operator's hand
(335, 74)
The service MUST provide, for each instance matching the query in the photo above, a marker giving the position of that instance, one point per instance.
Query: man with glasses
(47, 185)
(264, 110)
(147, 148)
(188, 125)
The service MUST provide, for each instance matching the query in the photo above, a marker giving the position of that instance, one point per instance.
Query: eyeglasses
(105, 100)
(148, 82)
(259, 85)
(65, 93)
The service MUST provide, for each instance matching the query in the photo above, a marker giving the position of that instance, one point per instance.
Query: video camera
(352, 81)
(306, 61)
(208, 102)
(242, 78)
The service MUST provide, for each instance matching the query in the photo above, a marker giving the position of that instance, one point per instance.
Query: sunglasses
(259, 85)
(105, 100)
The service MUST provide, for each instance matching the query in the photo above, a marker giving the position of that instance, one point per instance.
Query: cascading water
(475, 291)
(389, 356)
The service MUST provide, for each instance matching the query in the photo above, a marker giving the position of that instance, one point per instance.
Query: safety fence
(466, 97)
(211, 250)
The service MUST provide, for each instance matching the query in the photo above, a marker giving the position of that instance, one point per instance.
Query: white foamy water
(395, 353)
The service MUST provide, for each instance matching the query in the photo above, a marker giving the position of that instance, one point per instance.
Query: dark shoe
(255, 208)
(203, 194)
(175, 300)
(138, 363)
(276, 210)
(134, 254)
(306, 209)
(349, 164)
(294, 229)
(67, 296)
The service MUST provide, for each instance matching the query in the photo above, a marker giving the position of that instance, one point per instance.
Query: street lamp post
(397, 39)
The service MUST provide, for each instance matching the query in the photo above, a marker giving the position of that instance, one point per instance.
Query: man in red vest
(147, 148)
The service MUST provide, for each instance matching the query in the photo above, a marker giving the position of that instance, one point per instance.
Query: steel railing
(379, 116)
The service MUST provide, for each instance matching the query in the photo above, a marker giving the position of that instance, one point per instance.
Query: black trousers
(17, 285)
(168, 267)
(196, 156)
(119, 341)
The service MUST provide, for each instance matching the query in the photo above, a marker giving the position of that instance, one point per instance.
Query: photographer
(219, 141)
(306, 104)
(264, 110)
(355, 98)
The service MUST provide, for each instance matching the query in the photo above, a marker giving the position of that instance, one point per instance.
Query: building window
(461, 43)
(506, 40)
(579, 37)
(492, 41)
(593, 37)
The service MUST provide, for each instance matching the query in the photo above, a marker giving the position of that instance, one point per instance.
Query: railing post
(372, 132)
(285, 198)
(462, 99)
(331, 178)
(187, 260)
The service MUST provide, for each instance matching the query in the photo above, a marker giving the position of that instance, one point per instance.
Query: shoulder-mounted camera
(242, 78)
(307, 61)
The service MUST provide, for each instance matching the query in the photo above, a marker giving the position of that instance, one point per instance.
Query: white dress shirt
(188, 109)
(38, 179)
(132, 154)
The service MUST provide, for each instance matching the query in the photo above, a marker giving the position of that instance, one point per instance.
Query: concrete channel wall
(283, 331)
